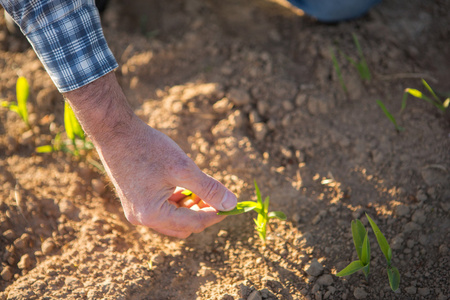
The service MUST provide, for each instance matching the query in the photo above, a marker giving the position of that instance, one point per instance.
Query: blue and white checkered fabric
(67, 37)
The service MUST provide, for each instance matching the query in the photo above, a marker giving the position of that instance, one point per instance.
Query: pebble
(98, 186)
(66, 207)
(22, 242)
(222, 106)
(222, 233)
(360, 293)
(27, 137)
(410, 227)
(296, 217)
(421, 196)
(412, 290)
(424, 291)
(47, 246)
(260, 130)
(9, 234)
(25, 262)
(255, 295)
(419, 217)
(159, 258)
(435, 175)
(7, 273)
(403, 211)
(325, 280)
(239, 97)
(315, 268)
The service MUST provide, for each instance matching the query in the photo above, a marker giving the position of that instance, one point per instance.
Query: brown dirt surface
(249, 91)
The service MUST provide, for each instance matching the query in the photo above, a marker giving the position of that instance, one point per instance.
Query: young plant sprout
(362, 245)
(389, 116)
(74, 132)
(440, 104)
(261, 208)
(22, 92)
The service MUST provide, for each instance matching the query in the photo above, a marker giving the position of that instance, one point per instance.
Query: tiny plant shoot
(261, 208)
(440, 104)
(389, 116)
(22, 92)
(74, 132)
(362, 245)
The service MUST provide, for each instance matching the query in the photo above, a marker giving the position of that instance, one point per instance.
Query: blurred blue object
(334, 10)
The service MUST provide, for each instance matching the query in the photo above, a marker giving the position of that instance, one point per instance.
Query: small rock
(239, 97)
(419, 217)
(435, 175)
(98, 186)
(410, 227)
(25, 262)
(424, 291)
(403, 211)
(412, 290)
(397, 242)
(255, 295)
(66, 207)
(300, 99)
(47, 246)
(296, 217)
(222, 106)
(421, 196)
(39, 285)
(360, 293)
(9, 234)
(260, 130)
(7, 273)
(159, 258)
(227, 297)
(325, 280)
(315, 268)
(222, 233)
(27, 137)
(22, 242)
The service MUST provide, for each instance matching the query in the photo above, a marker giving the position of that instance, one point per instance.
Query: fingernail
(229, 201)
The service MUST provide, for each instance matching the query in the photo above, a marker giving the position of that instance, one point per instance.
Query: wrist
(102, 109)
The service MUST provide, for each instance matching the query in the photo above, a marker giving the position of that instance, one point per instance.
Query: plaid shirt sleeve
(67, 37)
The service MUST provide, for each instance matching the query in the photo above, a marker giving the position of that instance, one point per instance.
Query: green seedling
(337, 69)
(74, 132)
(22, 92)
(362, 245)
(261, 208)
(440, 104)
(393, 273)
(389, 116)
(360, 64)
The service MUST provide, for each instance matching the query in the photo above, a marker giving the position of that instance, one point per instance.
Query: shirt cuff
(73, 49)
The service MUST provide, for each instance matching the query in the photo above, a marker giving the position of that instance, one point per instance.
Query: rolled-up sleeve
(67, 37)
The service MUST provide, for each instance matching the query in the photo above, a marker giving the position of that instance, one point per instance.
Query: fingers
(210, 191)
(181, 222)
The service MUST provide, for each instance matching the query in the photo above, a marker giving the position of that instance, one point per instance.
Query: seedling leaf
(258, 194)
(337, 68)
(277, 214)
(384, 245)
(44, 149)
(394, 278)
(359, 233)
(365, 252)
(353, 267)
(266, 205)
(5, 103)
(389, 115)
(236, 211)
(73, 127)
(22, 92)
(446, 103)
(428, 87)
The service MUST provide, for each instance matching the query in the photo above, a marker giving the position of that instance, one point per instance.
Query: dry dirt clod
(239, 97)
(255, 295)
(360, 293)
(7, 273)
(315, 268)
(25, 262)
(98, 186)
(47, 246)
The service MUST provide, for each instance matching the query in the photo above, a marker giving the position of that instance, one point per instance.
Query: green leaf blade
(277, 214)
(382, 242)
(44, 149)
(353, 267)
(22, 93)
(394, 278)
(359, 233)
(365, 251)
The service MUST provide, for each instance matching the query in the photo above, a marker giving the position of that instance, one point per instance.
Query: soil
(249, 91)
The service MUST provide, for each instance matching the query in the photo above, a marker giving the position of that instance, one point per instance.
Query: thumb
(212, 191)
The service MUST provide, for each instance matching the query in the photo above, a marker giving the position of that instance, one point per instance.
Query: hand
(145, 165)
